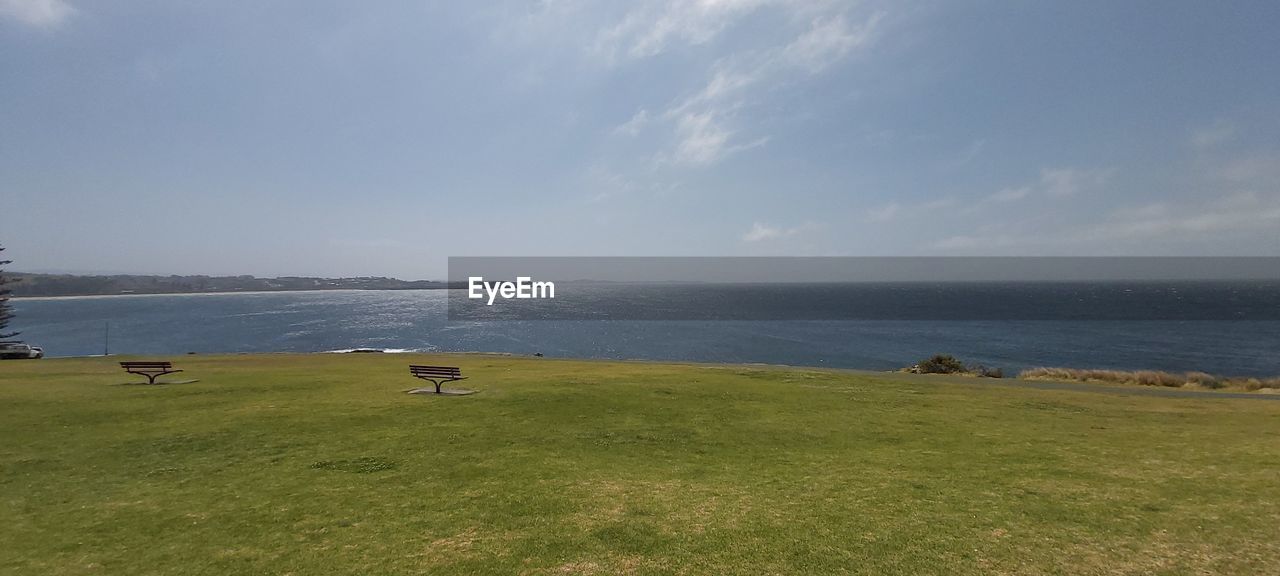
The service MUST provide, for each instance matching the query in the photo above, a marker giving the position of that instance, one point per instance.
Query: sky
(380, 138)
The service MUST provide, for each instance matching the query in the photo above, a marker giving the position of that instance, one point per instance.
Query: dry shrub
(1204, 380)
(1157, 378)
(1150, 378)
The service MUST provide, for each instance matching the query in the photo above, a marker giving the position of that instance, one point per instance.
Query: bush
(1204, 380)
(985, 372)
(1155, 378)
(1150, 378)
(948, 364)
(941, 364)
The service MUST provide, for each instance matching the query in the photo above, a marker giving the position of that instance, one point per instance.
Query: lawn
(321, 464)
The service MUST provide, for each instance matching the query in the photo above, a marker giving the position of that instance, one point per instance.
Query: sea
(1176, 338)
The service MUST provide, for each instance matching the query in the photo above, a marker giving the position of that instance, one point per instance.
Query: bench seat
(436, 374)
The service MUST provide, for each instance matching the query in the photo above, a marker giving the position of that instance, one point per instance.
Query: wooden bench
(437, 374)
(151, 370)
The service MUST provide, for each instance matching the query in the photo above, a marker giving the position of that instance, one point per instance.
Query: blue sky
(354, 138)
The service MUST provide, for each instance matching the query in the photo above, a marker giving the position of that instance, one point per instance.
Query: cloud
(704, 123)
(761, 232)
(1069, 182)
(368, 243)
(972, 151)
(1136, 230)
(1255, 169)
(958, 242)
(1056, 182)
(703, 138)
(1010, 194)
(1241, 199)
(1213, 136)
(939, 204)
(633, 126)
(724, 85)
(983, 240)
(1233, 212)
(652, 27)
(828, 40)
(37, 13)
(884, 213)
(604, 185)
(892, 210)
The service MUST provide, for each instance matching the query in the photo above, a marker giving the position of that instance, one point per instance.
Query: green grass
(279, 464)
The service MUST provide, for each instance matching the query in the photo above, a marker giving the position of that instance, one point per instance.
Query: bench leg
(151, 378)
(437, 383)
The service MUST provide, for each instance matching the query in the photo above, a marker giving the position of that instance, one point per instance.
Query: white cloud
(37, 13)
(939, 204)
(604, 185)
(1258, 169)
(958, 242)
(702, 139)
(652, 27)
(972, 151)
(1069, 182)
(1135, 230)
(633, 126)
(1241, 199)
(761, 232)
(704, 123)
(1213, 136)
(884, 213)
(828, 40)
(1233, 212)
(1055, 182)
(892, 210)
(1010, 194)
(723, 85)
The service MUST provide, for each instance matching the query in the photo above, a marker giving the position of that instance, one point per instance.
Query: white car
(19, 351)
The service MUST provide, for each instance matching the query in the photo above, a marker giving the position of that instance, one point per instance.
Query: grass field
(320, 464)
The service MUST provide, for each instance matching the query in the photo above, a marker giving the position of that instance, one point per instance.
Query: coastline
(249, 292)
(892, 375)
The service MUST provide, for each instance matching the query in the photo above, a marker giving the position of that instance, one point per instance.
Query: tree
(6, 311)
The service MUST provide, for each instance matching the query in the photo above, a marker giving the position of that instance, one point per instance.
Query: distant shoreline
(33, 285)
(219, 293)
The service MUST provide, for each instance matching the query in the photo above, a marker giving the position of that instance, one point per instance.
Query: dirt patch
(443, 391)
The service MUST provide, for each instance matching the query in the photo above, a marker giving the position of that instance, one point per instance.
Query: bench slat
(441, 369)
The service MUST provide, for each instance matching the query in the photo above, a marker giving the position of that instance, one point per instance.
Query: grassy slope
(321, 465)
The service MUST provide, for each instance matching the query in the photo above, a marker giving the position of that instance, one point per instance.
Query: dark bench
(437, 374)
(151, 370)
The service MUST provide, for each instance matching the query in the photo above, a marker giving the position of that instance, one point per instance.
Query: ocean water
(418, 321)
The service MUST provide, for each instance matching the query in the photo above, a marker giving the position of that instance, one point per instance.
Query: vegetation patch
(948, 364)
(364, 465)
(1153, 378)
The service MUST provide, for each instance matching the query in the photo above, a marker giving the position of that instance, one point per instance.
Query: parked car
(19, 351)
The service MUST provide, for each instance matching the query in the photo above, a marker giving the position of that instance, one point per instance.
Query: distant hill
(27, 284)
